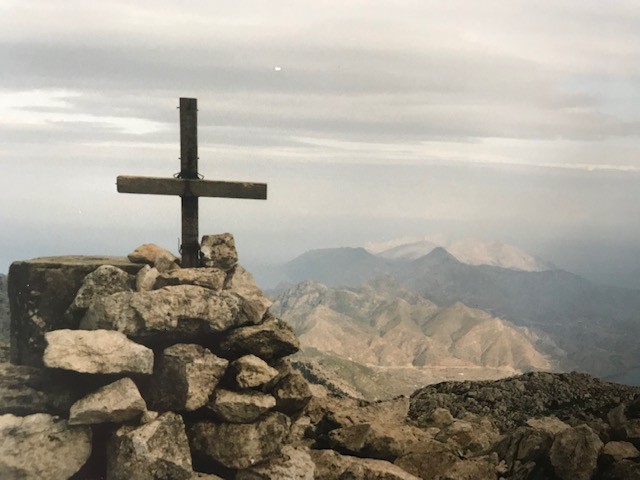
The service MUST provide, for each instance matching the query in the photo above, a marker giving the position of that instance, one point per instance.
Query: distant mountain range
(469, 250)
(582, 325)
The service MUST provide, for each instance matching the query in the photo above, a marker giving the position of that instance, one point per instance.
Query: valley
(448, 314)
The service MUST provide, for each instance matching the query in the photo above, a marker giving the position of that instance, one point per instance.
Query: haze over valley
(413, 307)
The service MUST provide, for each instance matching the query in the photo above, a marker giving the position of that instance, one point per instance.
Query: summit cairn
(160, 371)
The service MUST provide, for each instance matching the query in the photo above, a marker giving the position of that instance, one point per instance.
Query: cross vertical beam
(189, 185)
(189, 171)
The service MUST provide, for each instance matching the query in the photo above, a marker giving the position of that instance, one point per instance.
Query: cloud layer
(492, 118)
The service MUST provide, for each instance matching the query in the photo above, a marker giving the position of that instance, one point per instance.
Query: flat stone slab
(96, 351)
(40, 292)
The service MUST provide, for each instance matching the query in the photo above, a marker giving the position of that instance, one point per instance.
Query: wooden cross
(188, 184)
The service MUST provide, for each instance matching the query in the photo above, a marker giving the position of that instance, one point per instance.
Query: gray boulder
(96, 351)
(104, 280)
(331, 465)
(292, 393)
(22, 390)
(239, 445)
(183, 310)
(117, 402)
(254, 303)
(40, 292)
(156, 450)
(616, 451)
(41, 446)
(146, 278)
(574, 453)
(184, 378)
(378, 440)
(219, 251)
(251, 371)
(292, 463)
(165, 262)
(270, 340)
(241, 407)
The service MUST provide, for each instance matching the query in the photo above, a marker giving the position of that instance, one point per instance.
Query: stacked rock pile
(173, 373)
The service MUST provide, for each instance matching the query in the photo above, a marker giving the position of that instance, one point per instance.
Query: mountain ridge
(385, 325)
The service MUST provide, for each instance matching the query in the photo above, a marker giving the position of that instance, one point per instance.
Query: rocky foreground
(148, 371)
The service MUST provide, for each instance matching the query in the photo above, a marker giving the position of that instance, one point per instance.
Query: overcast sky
(369, 120)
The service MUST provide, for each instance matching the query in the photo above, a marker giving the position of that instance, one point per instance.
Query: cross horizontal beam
(191, 188)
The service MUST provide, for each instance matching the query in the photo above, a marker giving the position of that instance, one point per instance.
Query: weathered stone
(551, 425)
(41, 446)
(525, 450)
(186, 311)
(241, 407)
(104, 280)
(205, 476)
(474, 435)
(148, 252)
(441, 417)
(40, 291)
(219, 251)
(165, 262)
(292, 464)
(272, 339)
(377, 440)
(574, 453)
(157, 450)
(632, 431)
(622, 470)
(146, 278)
(96, 351)
(616, 451)
(331, 465)
(432, 457)
(22, 390)
(254, 303)
(251, 371)
(617, 418)
(292, 393)
(344, 412)
(239, 445)
(117, 402)
(184, 378)
(472, 468)
(212, 278)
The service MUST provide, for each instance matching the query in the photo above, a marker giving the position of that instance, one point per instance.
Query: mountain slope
(385, 325)
(592, 327)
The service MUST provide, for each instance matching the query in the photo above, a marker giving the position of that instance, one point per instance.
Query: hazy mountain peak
(467, 250)
(438, 255)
